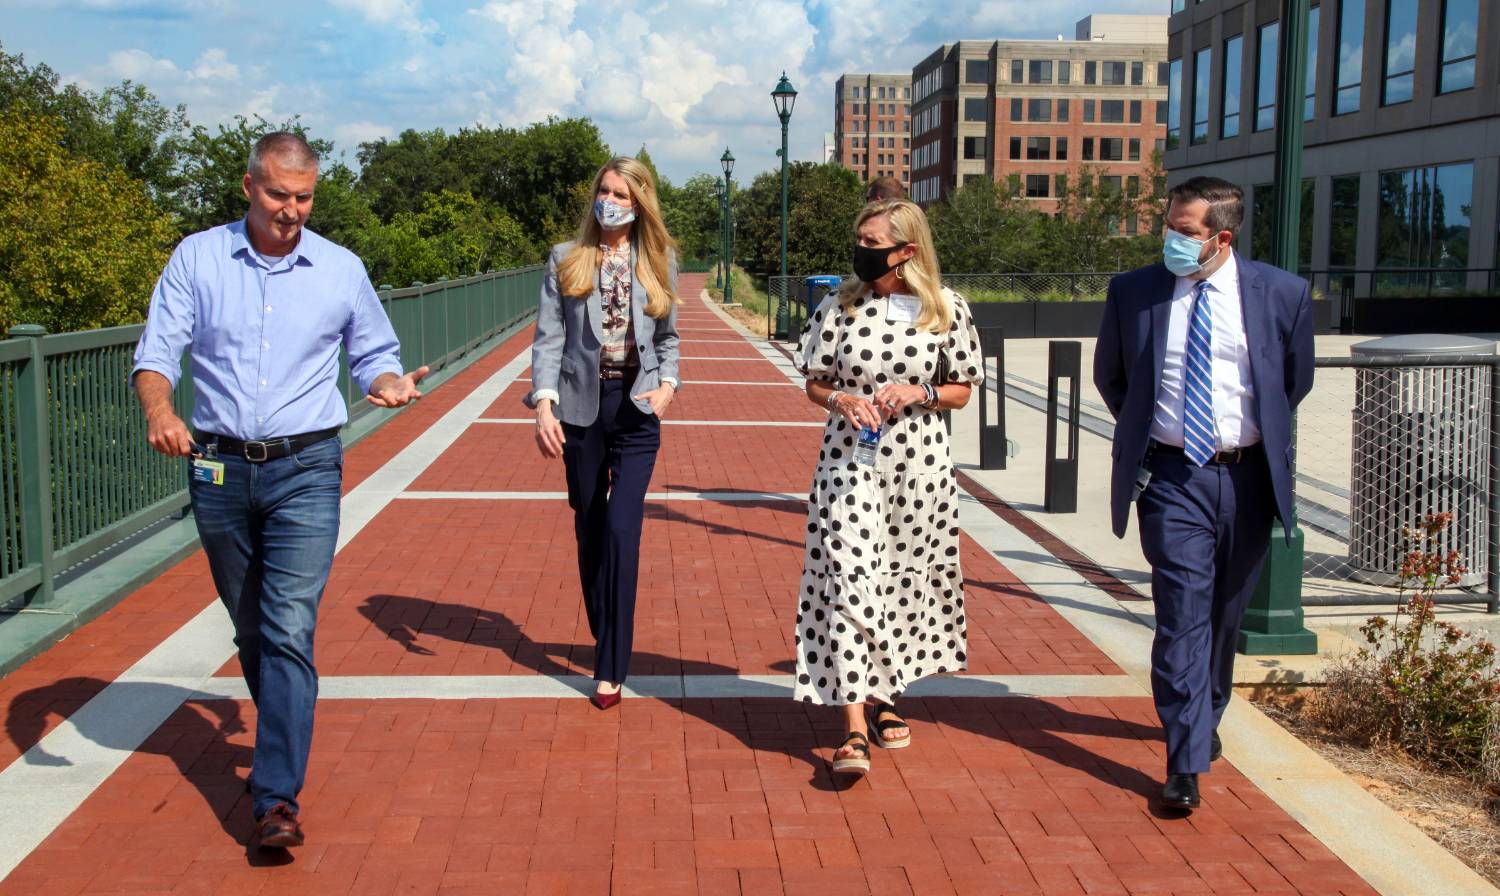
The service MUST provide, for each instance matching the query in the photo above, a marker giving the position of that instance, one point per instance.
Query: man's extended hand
(166, 432)
(391, 391)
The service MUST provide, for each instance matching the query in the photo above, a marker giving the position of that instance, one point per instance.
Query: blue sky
(683, 77)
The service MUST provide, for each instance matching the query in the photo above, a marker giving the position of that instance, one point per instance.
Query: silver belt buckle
(252, 447)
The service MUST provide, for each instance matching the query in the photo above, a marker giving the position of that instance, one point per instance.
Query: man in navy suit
(1202, 360)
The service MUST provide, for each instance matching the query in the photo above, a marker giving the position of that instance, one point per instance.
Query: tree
(544, 179)
(984, 228)
(340, 210)
(81, 243)
(213, 169)
(123, 126)
(691, 212)
(823, 201)
(454, 235)
(396, 174)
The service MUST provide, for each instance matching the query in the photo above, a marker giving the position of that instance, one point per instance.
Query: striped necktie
(1198, 441)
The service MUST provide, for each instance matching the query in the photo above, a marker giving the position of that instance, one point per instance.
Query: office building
(871, 125)
(1034, 113)
(1401, 167)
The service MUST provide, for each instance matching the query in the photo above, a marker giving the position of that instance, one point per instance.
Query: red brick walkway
(662, 795)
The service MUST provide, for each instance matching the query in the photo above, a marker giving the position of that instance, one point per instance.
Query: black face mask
(870, 263)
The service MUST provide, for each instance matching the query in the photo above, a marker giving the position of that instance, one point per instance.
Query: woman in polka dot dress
(881, 601)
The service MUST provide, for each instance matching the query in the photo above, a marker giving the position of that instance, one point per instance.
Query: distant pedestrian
(1202, 361)
(604, 371)
(884, 188)
(881, 601)
(264, 306)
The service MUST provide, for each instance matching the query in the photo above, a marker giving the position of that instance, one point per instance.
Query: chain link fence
(1382, 442)
(791, 301)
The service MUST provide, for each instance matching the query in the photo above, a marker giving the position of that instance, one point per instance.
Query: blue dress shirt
(265, 339)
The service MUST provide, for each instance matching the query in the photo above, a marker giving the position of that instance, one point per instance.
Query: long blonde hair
(578, 272)
(920, 273)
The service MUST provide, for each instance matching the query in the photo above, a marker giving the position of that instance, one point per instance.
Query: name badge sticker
(903, 309)
(210, 471)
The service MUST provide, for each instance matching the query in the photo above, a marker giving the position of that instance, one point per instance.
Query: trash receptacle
(1420, 445)
(816, 288)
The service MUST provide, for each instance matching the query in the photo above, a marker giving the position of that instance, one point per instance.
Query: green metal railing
(76, 473)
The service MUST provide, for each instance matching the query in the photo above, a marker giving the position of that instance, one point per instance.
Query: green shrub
(1421, 685)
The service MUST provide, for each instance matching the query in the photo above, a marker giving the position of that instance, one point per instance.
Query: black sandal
(857, 763)
(881, 727)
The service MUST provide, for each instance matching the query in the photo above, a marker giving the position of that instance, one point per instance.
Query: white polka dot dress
(881, 601)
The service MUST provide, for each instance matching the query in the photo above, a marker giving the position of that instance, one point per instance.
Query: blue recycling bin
(816, 287)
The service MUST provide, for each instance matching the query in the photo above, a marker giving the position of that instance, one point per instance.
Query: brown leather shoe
(279, 828)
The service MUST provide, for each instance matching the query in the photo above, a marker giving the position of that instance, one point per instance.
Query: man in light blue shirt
(263, 307)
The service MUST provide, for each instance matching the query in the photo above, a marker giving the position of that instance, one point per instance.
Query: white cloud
(404, 15)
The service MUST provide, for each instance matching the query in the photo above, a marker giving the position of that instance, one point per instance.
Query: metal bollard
(1060, 487)
(992, 445)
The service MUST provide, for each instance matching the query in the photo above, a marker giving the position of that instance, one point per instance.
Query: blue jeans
(269, 532)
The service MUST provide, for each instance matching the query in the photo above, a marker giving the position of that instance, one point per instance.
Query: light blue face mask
(612, 215)
(1180, 253)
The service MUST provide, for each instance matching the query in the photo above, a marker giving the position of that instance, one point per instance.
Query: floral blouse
(614, 291)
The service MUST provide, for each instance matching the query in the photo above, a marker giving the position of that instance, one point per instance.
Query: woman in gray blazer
(603, 371)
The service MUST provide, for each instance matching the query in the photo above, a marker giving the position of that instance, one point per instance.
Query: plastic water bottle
(864, 449)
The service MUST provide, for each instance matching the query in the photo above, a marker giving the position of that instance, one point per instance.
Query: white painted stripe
(55, 776)
(691, 382)
(531, 421)
(563, 687)
(720, 497)
(708, 358)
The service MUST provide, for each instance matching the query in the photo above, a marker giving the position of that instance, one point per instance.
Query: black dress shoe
(1215, 748)
(1180, 792)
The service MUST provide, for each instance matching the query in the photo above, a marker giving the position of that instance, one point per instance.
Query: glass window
(1135, 111)
(1229, 126)
(1017, 109)
(1163, 73)
(1060, 153)
(1088, 110)
(1343, 221)
(1135, 150)
(1036, 186)
(976, 109)
(1088, 149)
(1263, 225)
(1161, 112)
(977, 71)
(1038, 149)
(1041, 71)
(1137, 73)
(1038, 110)
(1062, 110)
(1112, 73)
(1109, 185)
(974, 147)
(1424, 217)
(1351, 44)
(1064, 71)
(1174, 105)
(1313, 18)
(1178, 6)
(1265, 76)
(1133, 185)
(1017, 70)
(1111, 149)
(1400, 51)
(1060, 185)
(1015, 148)
(1460, 37)
(1112, 111)
(1200, 95)
(1091, 72)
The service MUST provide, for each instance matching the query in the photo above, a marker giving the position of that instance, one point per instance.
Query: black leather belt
(617, 373)
(266, 449)
(1232, 456)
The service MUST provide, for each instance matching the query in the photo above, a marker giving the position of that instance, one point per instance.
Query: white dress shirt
(1235, 424)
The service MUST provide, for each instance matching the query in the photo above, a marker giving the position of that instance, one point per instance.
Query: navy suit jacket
(1133, 345)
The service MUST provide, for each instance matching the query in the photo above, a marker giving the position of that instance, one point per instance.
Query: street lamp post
(726, 161)
(723, 229)
(785, 97)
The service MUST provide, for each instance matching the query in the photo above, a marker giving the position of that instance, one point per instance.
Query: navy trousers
(609, 464)
(1205, 531)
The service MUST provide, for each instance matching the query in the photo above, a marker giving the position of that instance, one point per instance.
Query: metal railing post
(33, 447)
(1060, 484)
(992, 444)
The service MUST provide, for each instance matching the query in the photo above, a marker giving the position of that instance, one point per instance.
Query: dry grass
(1458, 814)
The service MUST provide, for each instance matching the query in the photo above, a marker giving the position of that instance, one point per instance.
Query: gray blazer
(569, 333)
